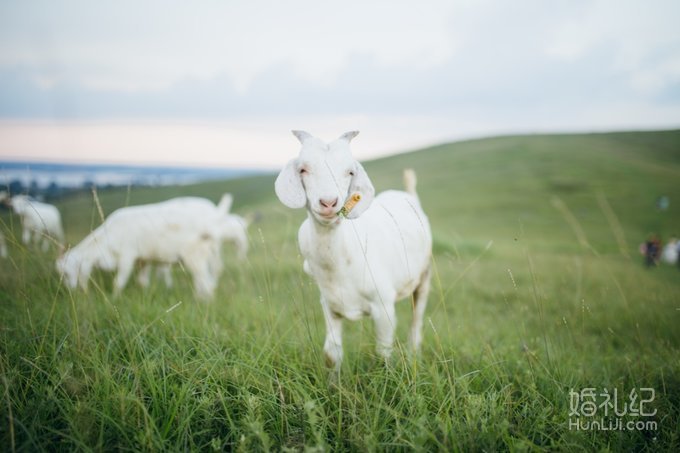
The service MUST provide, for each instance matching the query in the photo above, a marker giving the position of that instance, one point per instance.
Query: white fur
(231, 228)
(188, 230)
(38, 221)
(365, 263)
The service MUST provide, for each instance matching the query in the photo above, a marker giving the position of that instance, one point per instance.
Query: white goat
(186, 229)
(38, 221)
(362, 264)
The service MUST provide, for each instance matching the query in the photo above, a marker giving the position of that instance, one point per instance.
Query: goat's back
(398, 216)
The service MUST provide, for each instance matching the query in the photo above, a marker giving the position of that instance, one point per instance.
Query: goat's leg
(26, 236)
(144, 275)
(214, 261)
(204, 280)
(164, 272)
(332, 347)
(205, 264)
(385, 320)
(125, 267)
(419, 303)
(84, 275)
(204, 285)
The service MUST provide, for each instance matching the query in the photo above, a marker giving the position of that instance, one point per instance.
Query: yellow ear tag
(349, 205)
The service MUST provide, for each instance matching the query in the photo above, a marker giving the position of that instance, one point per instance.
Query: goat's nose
(326, 203)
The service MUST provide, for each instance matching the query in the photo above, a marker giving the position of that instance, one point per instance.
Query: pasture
(538, 290)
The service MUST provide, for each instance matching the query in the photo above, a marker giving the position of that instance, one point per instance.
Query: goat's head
(322, 177)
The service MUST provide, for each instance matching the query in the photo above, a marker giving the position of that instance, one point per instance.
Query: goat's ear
(288, 186)
(348, 136)
(224, 206)
(302, 136)
(361, 184)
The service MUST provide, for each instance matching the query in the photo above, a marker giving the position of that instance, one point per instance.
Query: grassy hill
(538, 290)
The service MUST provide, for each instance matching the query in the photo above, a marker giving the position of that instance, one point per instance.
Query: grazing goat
(363, 262)
(189, 230)
(38, 220)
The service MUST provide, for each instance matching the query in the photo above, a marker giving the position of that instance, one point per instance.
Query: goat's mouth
(327, 218)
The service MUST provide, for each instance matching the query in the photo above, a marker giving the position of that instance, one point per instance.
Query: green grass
(558, 301)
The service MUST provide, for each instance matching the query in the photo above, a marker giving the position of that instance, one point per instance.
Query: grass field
(538, 290)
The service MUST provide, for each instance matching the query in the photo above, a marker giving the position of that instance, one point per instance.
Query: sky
(223, 82)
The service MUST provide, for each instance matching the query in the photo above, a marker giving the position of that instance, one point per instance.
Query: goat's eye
(351, 173)
(303, 171)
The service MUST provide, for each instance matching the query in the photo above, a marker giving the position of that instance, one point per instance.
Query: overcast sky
(223, 82)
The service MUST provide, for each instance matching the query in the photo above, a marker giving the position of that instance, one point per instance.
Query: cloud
(176, 59)
(133, 46)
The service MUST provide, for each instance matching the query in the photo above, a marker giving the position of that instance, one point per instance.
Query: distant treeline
(52, 191)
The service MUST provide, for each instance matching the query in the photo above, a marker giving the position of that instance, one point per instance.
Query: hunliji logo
(606, 410)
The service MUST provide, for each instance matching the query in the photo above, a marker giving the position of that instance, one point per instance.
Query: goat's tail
(410, 181)
(225, 203)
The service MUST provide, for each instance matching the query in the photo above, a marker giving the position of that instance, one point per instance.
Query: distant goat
(363, 263)
(38, 220)
(189, 230)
